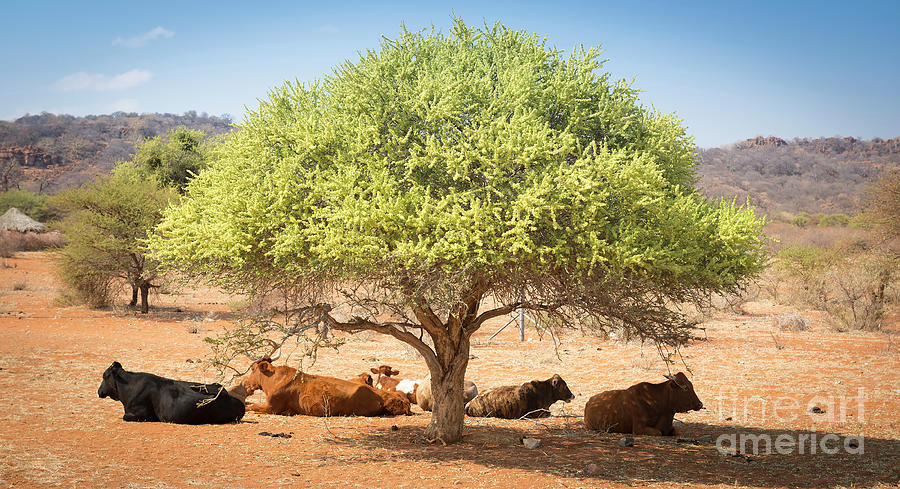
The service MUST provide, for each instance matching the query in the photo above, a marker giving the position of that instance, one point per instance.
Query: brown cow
(642, 409)
(394, 402)
(289, 391)
(423, 393)
(530, 399)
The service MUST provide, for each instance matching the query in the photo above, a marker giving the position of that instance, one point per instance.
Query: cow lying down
(642, 409)
(530, 399)
(426, 401)
(148, 397)
(289, 392)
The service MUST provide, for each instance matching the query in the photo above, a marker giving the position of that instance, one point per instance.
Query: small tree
(174, 157)
(11, 174)
(106, 228)
(447, 180)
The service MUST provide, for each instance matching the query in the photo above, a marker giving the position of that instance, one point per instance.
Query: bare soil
(56, 432)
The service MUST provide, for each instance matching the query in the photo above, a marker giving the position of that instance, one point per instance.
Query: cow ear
(395, 372)
(374, 370)
(555, 380)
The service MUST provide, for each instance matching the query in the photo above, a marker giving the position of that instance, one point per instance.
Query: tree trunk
(145, 291)
(448, 409)
(134, 293)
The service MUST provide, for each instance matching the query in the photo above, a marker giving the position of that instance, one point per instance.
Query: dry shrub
(41, 241)
(863, 287)
(856, 288)
(84, 285)
(790, 322)
(14, 241)
(10, 243)
(786, 235)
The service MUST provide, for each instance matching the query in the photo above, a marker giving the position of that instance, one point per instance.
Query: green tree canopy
(174, 157)
(28, 202)
(445, 180)
(106, 226)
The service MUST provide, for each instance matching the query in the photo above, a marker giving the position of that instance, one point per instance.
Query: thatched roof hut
(16, 220)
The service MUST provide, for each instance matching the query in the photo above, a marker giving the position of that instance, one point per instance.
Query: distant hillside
(48, 152)
(814, 175)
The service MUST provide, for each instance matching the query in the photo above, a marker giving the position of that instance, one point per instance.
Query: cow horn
(276, 356)
(670, 377)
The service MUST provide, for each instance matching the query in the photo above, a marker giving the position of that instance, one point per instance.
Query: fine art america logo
(825, 409)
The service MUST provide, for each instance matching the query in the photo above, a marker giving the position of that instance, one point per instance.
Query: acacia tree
(174, 158)
(106, 226)
(446, 180)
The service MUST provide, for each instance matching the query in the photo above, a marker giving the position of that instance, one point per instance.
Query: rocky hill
(48, 152)
(814, 175)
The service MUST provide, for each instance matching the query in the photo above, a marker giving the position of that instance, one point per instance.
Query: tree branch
(390, 328)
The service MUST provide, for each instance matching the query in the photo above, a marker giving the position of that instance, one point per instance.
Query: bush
(834, 220)
(790, 322)
(855, 287)
(10, 243)
(34, 206)
(801, 220)
(85, 285)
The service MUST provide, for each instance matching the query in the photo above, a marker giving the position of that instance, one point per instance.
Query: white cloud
(328, 28)
(123, 105)
(143, 39)
(82, 81)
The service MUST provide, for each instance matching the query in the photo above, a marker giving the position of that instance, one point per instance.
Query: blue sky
(730, 70)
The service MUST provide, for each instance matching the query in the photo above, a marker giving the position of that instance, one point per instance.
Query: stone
(531, 443)
(626, 441)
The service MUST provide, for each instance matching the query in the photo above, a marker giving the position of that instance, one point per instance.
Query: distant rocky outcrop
(761, 142)
(28, 156)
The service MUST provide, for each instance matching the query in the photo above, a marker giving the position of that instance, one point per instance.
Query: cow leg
(640, 429)
(139, 416)
(261, 407)
(665, 426)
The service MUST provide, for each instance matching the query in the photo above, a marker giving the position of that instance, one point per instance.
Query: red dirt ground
(56, 432)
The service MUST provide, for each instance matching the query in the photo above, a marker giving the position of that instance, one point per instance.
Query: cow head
(259, 371)
(683, 395)
(561, 391)
(385, 370)
(109, 388)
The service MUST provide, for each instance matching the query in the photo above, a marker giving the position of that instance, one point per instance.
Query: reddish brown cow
(642, 409)
(289, 391)
(394, 402)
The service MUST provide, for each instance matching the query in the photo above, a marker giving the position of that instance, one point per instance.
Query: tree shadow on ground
(567, 449)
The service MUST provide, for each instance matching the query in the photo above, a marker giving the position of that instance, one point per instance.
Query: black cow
(530, 399)
(148, 397)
